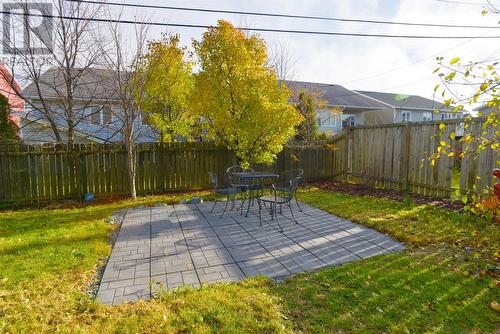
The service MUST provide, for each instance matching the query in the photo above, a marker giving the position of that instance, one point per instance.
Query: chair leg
(225, 207)
(277, 221)
(243, 203)
(250, 199)
(293, 217)
(296, 201)
(272, 211)
(260, 215)
(215, 202)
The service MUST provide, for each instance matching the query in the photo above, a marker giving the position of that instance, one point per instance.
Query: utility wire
(464, 2)
(200, 26)
(320, 18)
(409, 64)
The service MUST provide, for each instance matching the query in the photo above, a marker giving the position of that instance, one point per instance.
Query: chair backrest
(291, 174)
(294, 184)
(234, 180)
(213, 180)
(289, 187)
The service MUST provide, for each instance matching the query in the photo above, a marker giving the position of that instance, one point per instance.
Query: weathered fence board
(398, 156)
(59, 171)
(395, 156)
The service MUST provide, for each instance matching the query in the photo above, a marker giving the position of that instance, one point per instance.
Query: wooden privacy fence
(58, 171)
(396, 156)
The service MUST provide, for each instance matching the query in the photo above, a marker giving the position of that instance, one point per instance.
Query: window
(405, 116)
(100, 115)
(106, 115)
(95, 115)
(352, 121)
(325, 118)
(445, 116)
(348, 120)
(427, 116)
(322, 118)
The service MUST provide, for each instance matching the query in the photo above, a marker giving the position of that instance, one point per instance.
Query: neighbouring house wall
(418, 115)
(375, 117)
(359, 116)
(40, 133)
(94, 125)
(16, 103)
(329, 122)
(84, 113)
(485, 111)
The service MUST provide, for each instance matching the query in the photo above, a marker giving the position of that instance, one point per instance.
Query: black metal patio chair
(290, 175)
(283, 194)
(246, 188)
(229, 192)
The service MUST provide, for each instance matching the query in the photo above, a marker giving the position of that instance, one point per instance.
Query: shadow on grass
(39, 245)
(412, 293)
(417, 225)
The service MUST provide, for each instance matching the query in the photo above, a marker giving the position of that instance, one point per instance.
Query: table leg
(249, 202)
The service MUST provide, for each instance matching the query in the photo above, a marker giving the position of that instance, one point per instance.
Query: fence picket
(394, 156)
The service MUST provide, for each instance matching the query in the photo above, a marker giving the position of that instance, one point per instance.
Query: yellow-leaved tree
(168, 88)
(238, 96)
(479, 83)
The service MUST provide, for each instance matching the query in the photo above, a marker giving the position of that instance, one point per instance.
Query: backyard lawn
(48, 259)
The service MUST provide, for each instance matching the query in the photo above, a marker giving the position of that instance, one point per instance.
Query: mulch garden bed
(364, 190)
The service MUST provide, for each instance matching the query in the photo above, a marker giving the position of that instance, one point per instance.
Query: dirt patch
(364, 190)
(100, 200)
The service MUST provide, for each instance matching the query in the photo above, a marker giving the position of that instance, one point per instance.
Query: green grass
(401, 293)
(48, 259)
(415, 225)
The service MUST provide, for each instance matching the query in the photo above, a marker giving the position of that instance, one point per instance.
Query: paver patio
(173, 245)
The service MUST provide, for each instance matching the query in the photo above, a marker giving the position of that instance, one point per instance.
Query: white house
(96, 107)
(485, 110)
(412, 108)
(346, 108)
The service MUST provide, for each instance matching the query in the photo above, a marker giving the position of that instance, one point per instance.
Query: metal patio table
(254, 178)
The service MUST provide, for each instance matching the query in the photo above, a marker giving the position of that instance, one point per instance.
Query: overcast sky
(390, 65)
(350, 60)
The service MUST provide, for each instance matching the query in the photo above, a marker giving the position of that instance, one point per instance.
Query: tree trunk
(55, 130)
(131, 167)
(71, 132)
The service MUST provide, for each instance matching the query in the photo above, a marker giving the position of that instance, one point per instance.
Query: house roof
(91, 84)
(336, 95)
(405, 101)
(484, 106)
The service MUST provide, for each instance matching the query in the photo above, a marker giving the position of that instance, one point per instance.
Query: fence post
(405, 157)
(348, 154)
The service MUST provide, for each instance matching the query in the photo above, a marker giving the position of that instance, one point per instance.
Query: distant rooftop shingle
(91, 84)
(336, 95)
(405, 101)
